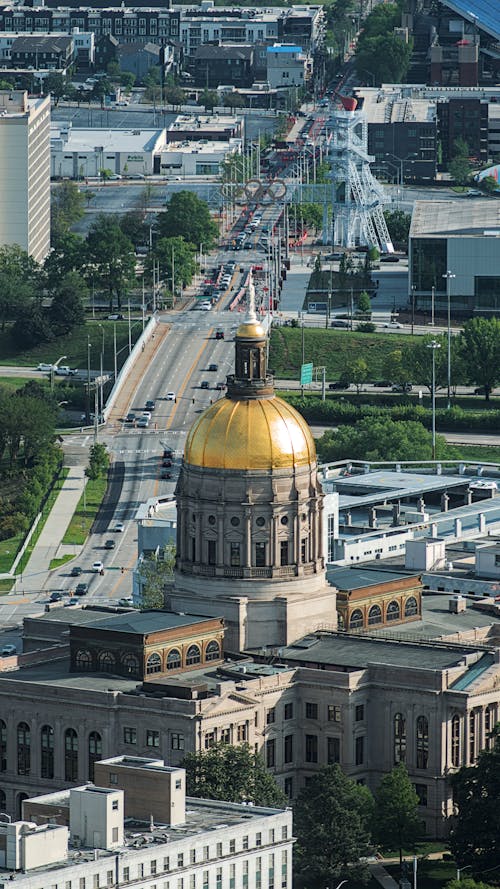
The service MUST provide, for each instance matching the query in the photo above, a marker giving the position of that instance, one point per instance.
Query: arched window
(130, 664)
(411, 607)
(95, 752)
(455, 740)
(356, 619)
(393, 611)
(193, 655)
(212, 652)
(83, 660)
(23, 749)
(399, 738)
(153, 663)
(106, 662)
(3, 746)
(70, 755)
(375, 615)
(19, 805)
(47, 751)
(173, 659)
(3, 801)
(422, 742)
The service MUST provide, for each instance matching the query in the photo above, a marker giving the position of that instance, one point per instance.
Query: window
(106, 662)
(303, 550)
(270, 753)
(210, 740)
(83, 661)
(472, 737)
(218, 878)
(3, 746)
(177, 741)
(288, 748)
(489, 722)
(212, 652)
(225, 735)
(270, 716)
(242, 733)
(288, 787)
(333, 713)
(173, 659)
(129, 735)
(258, 840)
(421, 791)
(70, 755)
(152, 738)
(356, 619)
(113, 778)
(234, 555)
(375, 615)
(153, 663)
(206, 882)
(393, 611)
(192, 856)
(180, 859)
(47, 751)
(455, 741)
(284, 868)
(193, 655)
(245, 875)
(115, 805)
(359, 750)
(232, 847)
(311, 748)
(411, 607)
(288, 711)
(332, 750)
(311, 710)
(211, 552)
(166, 864)
(271, 872)
(422, 742)
(359, 712)
(284, 552)
(245, 843)
(399, 738)
(130, 664)
(260, 555)
(95, 752)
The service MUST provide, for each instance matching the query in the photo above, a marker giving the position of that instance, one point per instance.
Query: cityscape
(250, 445)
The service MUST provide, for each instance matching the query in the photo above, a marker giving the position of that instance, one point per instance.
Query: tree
(188, 217)
(233, 100)
(475, 830)
(488, 184)
(32, 325)
(67, 255)
(135, 227)
(386, 56)
(67, 207)
(208, 98)
(480, 349)
(14, 294)
(111, 257)
(364, 303)
(460, 170)
(174, 95)
(234, 774)
(396, 821)
(381, 439)
(417, 359)
(56, 85)
(332, 823)
(358, 372)
(175, 253)
(155, 573)
(98, 462)
(398, 224)
(394, 368)
(311, 216)
(67, 308)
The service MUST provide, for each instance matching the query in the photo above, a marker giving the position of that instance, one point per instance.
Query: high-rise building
(25, 172)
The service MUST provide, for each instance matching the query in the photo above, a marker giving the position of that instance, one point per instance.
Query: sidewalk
(380, 874)
(48, 545)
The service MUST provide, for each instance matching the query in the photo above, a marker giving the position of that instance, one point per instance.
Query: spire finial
(251, 315)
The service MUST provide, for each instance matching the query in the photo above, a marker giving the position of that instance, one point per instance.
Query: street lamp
(102, 368)
(89, 346)
(449, 275)
(433, 345)
(52, 371)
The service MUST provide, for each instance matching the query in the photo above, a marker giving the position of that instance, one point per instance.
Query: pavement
(380, 874)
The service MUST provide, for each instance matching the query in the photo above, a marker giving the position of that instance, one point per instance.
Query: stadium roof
(484, 13)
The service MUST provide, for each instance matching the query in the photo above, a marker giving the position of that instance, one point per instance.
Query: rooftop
(365, 489)
(439, 219)
(358, 578)
(145, 622)
(390, 106)
(481, 13)
(202, 146)
(108, 140)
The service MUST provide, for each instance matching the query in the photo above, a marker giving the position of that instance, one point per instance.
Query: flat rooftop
(202, 146)
(453, 219)
(390, 107)
(437, 621)
(358, 578)
(145, 622)
(109, 140)
(365, 489)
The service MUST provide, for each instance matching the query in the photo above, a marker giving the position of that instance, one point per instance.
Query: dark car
(130, 418)
(82, 589)
(219, 334)
(204, 384)
(55, 597)
(402, 387)
(213, 367)
(150, 405)
(339, 384)
(76, 571)
(110, 544)
(389, 258)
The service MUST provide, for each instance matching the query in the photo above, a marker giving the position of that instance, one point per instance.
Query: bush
(366, 327)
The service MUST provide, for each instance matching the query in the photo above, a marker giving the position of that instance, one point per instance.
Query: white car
(170, 396)
(46, 368)
(97, 566)
(146, 415)
(205, 307)
(119, 527)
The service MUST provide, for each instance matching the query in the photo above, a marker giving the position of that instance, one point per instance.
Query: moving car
(150, 405)
(145, 415)
(219, 334)
(126, 602)
(55, 597)
(339, 384)
(143, 422)
(170, 396)
(204, 384)
(168, 454)
(119, 527)
(389, 257)
(46, 368)
(82, 589)
(401, 387)
(76, 571)
(130, 418)
(213, 367)
(97, 566)
(110, 544)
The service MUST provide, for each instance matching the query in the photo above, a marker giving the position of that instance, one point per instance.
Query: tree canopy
(380, 439)
(155, 572)
(187, 216)
(235, 774)
(67, 207)
(177, 255)
(111, 257)
(398, 223)
(332, 823)
(480, 342)
(475, 829)
(397, 824)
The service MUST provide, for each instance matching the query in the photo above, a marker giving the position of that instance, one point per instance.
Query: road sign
(306, 374)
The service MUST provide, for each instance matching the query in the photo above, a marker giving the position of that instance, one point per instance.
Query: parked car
(389, 257)
(76, 571)
(110, 544)
(81, 589)
(126, 602)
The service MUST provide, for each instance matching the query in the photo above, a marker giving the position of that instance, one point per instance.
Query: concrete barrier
(145, 336)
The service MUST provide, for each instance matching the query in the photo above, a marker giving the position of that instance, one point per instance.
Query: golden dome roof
(251, 330)
(248, 434)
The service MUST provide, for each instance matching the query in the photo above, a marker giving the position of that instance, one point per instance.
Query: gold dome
(250, 434)
(251, 330)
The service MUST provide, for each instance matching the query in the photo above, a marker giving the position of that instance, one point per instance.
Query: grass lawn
(488, 453)
(56, 563)
(6, 586)
(86, 511)
(45, 514)
(74, 346)
(431, 874)
(13, 383)
(331, 348)
(8, 551)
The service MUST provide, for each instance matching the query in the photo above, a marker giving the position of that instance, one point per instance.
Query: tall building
(25, 172)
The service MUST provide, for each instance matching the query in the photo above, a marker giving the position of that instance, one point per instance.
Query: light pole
(433, 345)
(53, 369)
(101, 368)
(449, 275)
(89, 346)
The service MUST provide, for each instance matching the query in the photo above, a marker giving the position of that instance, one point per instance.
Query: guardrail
(145, 336)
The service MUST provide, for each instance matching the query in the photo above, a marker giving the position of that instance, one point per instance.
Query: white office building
(25, 172)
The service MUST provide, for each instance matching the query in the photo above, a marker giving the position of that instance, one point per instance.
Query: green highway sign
(306, 374)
